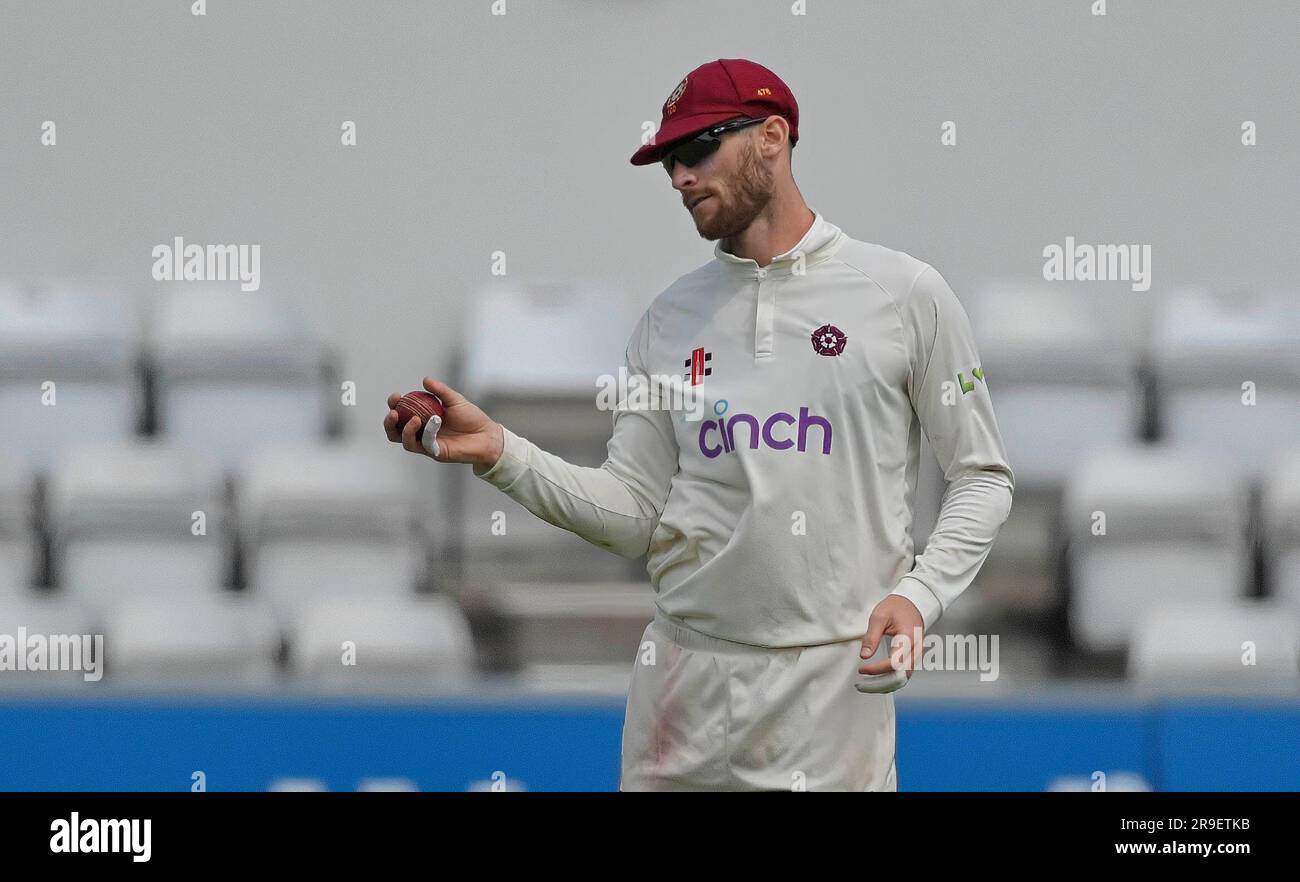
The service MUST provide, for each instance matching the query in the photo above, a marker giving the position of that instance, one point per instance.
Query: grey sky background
(479, 133)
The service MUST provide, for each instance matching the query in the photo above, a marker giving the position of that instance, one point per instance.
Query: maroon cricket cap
(714, 93)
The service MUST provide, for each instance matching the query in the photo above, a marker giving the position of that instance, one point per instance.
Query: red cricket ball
(421, 404)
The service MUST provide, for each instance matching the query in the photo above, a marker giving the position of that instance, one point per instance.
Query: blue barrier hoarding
(246, 744)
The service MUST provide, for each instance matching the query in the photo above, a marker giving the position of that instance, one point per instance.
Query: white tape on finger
(429, 435)
(879, 684)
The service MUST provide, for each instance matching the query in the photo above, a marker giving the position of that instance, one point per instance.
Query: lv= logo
(968, 385)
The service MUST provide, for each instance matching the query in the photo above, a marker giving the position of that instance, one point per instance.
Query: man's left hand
(898, 618)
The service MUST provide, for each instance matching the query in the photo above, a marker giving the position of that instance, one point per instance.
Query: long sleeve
(951, 400)
(615, 506)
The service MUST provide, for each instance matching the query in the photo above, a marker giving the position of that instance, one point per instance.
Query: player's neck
(777, 229)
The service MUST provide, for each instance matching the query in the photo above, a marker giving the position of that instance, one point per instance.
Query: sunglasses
(695, 150)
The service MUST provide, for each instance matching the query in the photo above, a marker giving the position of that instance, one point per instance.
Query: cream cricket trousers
(710, 714)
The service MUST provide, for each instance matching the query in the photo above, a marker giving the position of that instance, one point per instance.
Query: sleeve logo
(967, 385)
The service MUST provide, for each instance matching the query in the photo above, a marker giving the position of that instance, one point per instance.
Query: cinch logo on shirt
(719, 436)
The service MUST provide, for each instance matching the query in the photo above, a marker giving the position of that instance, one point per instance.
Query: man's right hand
(467, 434)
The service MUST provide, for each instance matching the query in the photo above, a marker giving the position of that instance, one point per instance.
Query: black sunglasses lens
(702, 146)
(691, 153)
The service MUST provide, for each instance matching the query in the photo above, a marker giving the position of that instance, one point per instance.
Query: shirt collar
(816, 244)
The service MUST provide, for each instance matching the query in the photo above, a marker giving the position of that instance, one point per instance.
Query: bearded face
(738, 189)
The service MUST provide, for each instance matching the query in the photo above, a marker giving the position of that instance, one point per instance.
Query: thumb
(449, 396)
(875, 630)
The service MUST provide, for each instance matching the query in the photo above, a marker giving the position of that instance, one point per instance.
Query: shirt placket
(764, 313)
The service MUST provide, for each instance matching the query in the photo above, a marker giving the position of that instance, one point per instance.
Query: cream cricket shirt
(782, 516)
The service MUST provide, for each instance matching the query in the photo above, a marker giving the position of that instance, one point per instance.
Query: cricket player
(777, 522)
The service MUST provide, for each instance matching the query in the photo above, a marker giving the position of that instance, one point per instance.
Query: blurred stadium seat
(396, 643)
(1063, 364)
(122, 521)
(318, 519)
(234, 372)
(1217, 646)
(544, 338)
(1175, 532)
(83, 341)
(219, 638)
(1208, 343)
(569, 624)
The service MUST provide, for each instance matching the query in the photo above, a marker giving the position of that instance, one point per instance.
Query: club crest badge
(829, 340)
(670, 106)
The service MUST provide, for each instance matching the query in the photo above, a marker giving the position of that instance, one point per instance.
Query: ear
(773, 136)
